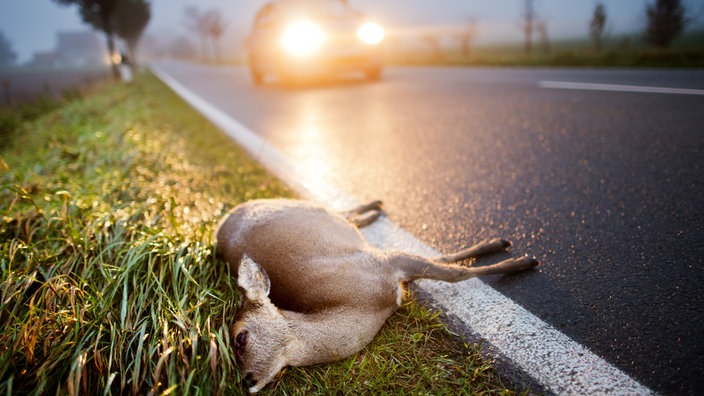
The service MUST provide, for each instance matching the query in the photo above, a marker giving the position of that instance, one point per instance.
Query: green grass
(635, 58)
(108, 279)
(12, 117)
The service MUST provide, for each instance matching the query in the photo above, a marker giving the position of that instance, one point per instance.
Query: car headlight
(302, 38)
(370, 33)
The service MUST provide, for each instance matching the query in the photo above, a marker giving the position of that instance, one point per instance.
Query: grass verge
(11, 118)
(563, 58)
(108, 280)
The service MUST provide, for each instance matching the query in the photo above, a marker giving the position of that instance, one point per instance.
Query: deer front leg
(412, 267)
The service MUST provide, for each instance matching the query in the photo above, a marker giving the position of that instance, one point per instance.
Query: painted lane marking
(618, 88)
(558, 363)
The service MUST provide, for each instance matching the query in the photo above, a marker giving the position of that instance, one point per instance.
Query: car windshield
(316, 8)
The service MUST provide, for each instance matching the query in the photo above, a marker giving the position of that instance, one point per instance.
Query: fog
(31, 25)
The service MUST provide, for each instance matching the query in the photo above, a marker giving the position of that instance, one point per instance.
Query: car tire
(255, 72)
(257, 76)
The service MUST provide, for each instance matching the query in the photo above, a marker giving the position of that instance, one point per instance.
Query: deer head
(261, 333)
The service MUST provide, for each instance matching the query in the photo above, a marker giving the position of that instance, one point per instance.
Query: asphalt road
(605, 188)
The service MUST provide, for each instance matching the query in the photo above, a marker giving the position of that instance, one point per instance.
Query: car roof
(318, 7)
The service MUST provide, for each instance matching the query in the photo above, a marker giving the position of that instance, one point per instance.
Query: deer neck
(330, 335)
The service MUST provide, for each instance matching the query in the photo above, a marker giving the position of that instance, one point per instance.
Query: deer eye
(240, 343)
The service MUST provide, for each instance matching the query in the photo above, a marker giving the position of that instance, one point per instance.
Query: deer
(314, 290)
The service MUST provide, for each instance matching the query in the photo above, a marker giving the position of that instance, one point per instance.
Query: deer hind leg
(411, 267)
(364, 215)
(481, 249)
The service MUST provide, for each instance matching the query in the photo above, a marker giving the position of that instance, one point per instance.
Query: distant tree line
(665, 20)
(7, 55)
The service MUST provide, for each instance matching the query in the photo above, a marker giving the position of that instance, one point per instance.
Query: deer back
(315, 258)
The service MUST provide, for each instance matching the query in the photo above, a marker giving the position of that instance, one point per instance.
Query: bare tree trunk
(542, 29)
(467, 37)
(111, 51)
(528, 22)
(132, 54)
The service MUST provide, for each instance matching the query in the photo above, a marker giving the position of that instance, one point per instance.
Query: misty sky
(31, 25)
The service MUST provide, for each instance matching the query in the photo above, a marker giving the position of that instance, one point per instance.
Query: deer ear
(253, 279)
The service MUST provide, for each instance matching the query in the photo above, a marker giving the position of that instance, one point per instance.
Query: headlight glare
(370, 33)
(302, 38)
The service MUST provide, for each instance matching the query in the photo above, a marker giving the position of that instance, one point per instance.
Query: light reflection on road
(312, 159)
(325, 143)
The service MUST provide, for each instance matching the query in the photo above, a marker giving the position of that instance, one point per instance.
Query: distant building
(73, 49)
(44, 59)
(79, 49)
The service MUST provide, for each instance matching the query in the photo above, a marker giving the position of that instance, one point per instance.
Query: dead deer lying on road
(315, 291)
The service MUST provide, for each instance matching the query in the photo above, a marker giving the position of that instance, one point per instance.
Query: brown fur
(315, 291)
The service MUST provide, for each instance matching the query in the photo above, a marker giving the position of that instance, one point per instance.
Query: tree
(208, 26)
(527, 25)
(542, 28)
(467, 35)
(99, 14)
(597, 25)
(195, 22)
(215, 26)
(131, 17)
(7, 55)
(665, 21)
(105, 15)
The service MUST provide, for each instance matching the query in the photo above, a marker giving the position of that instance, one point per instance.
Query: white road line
(617, 88)
(555, 361)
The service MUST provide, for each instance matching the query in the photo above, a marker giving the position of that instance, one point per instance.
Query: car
(304, 38)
